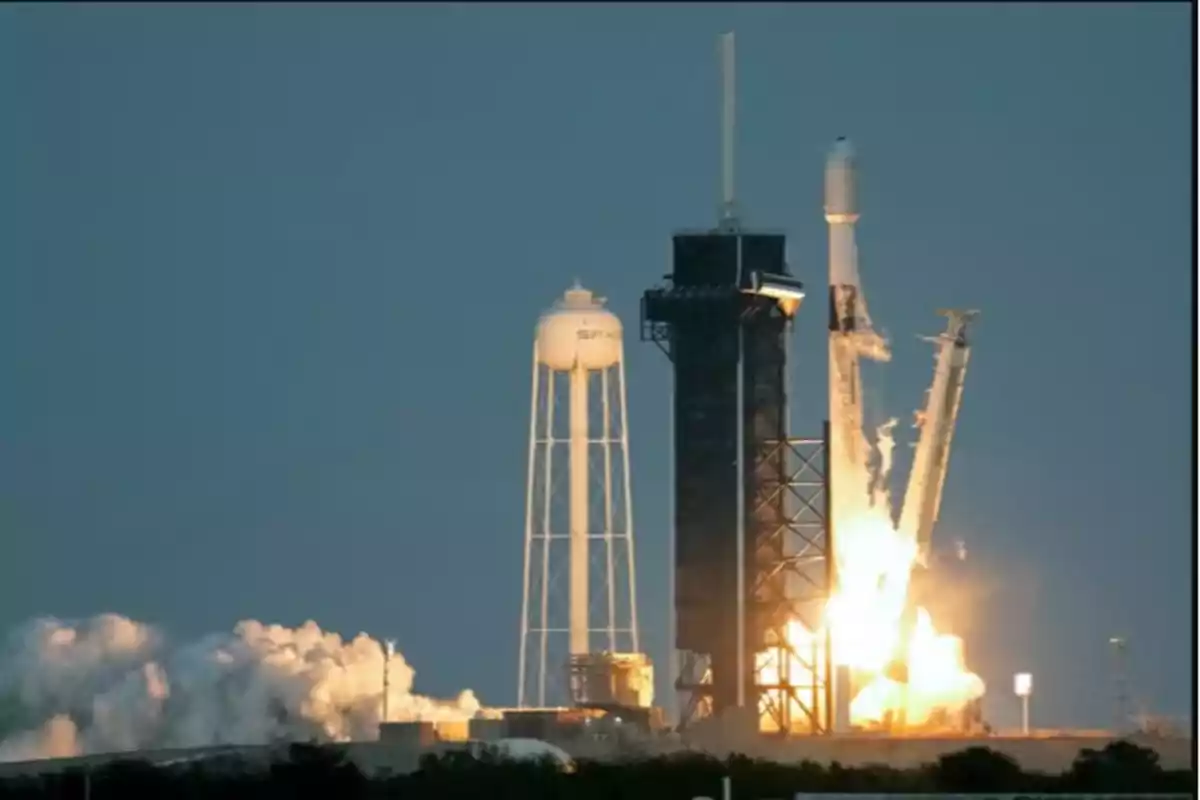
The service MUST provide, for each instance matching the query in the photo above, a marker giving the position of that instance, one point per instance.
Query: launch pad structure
(751, 539)
(750, 503)
(755, 510)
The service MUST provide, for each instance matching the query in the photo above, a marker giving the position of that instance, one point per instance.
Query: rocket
(850, 336)
(841, 212)
(847, 304)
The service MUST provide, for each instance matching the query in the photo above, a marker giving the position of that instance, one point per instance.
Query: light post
(1023, 688)
(1120, 647)
(389, 650)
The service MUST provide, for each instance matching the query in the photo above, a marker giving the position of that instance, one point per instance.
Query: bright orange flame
(865, 622)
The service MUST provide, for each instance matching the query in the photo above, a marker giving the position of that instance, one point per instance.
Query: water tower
(579, 635)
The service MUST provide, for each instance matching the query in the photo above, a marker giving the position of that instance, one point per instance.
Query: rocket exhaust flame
(110, 684)
(904, 669)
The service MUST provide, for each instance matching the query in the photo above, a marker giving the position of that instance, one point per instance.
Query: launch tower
(749, 503)
(580, 639)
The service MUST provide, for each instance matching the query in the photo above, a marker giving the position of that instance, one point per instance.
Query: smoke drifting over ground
(110, 684)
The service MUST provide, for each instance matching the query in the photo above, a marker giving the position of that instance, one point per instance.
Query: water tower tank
(579, 331)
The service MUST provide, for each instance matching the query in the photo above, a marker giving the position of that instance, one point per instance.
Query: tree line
(325, 771)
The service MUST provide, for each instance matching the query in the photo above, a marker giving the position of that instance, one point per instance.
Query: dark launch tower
(749, 503)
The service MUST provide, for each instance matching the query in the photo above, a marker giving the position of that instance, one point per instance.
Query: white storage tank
(579, 332)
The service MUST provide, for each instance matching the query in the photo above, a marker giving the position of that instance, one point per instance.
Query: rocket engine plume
(110, 684)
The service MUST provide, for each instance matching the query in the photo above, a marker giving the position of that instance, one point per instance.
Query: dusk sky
(269, 276)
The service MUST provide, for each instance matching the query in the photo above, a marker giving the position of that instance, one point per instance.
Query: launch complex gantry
(723, 319)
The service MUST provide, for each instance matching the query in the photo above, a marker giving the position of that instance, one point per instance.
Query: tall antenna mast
(1120, 646)
(728, 112)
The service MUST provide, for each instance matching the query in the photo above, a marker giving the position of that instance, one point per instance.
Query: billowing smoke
(111, 684)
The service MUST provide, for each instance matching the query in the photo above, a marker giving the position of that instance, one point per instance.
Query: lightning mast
(936, 420)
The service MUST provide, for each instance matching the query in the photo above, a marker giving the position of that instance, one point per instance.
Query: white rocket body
(923, 497)
(850, 336)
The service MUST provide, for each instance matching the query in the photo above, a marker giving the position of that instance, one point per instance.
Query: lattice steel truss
(794, 572)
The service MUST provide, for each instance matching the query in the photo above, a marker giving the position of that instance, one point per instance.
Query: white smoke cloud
(110, 684)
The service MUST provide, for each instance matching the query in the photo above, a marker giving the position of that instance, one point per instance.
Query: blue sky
(270, 275)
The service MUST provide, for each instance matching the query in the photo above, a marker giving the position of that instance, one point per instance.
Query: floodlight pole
(389, 649)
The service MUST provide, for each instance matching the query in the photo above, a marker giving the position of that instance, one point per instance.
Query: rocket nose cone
(840, 205)
(842, 152)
